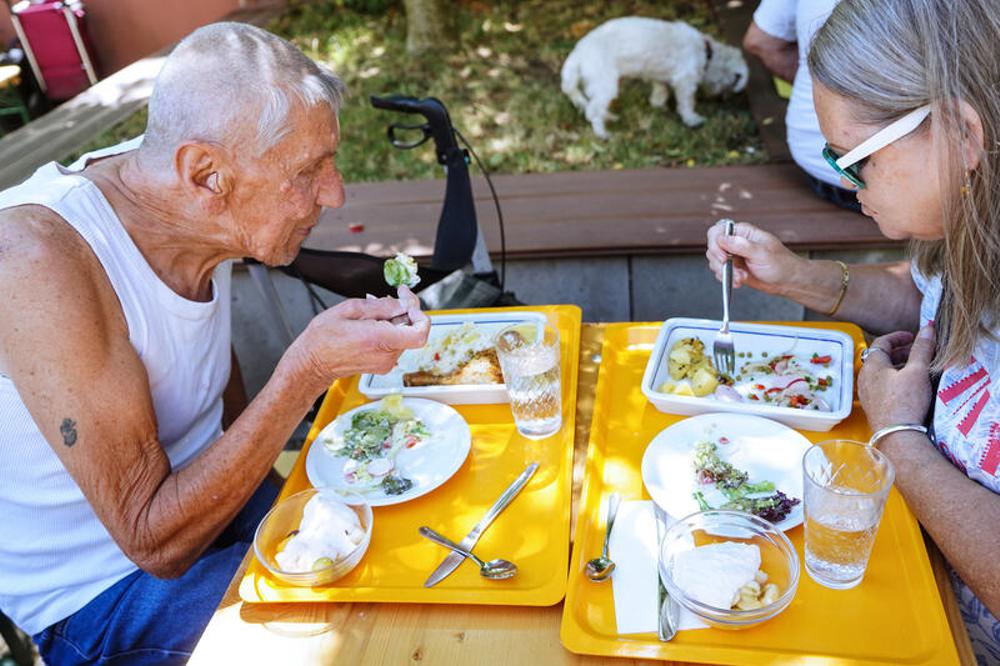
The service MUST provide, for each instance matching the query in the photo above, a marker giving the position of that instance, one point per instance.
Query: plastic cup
(845, 487)
(529, 360)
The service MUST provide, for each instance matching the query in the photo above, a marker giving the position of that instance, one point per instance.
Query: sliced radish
(725, 393)
(798, 387)
(380, 467)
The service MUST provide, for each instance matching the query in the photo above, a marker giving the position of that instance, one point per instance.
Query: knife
(452, 561)
(666, 609)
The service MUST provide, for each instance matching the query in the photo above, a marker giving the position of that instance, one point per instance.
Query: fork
(723, 351)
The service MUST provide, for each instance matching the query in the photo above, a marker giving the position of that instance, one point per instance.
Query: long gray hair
(234, 82)
(892, 56)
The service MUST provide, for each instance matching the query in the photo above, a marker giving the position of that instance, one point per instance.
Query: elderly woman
(908, 99)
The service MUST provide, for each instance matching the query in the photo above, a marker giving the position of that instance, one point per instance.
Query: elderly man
(120, 493)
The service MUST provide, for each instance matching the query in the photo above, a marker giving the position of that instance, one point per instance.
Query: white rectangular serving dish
(756, 338)
(379, 386)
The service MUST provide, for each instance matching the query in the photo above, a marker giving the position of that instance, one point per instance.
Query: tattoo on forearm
(68, 430)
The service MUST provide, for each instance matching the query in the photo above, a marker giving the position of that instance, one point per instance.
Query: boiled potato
(703, 380)
(681, 389)
(678, 363)
(684, 356)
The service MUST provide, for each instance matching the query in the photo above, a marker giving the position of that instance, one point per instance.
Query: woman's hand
(894, 384)
(760, 260)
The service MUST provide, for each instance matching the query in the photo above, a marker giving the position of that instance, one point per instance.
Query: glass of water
(846, 484)
(529, 360)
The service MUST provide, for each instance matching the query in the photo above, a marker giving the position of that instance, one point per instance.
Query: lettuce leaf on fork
(401, 270)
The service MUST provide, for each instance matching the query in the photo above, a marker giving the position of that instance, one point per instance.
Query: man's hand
(357, 336)
(892, 396)
(781, 58)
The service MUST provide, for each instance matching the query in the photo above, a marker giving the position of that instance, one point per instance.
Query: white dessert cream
(329, 531)
(714, 573)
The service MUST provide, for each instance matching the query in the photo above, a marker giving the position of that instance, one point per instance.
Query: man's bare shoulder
(46, 267)
(32, 233)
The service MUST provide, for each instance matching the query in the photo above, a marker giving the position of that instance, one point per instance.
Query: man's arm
(779, 56)
(234, 397)
(64, 342)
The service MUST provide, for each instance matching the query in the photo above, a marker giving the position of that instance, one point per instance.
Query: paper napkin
(635, 581)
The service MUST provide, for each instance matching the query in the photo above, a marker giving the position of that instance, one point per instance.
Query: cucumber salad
(372, 443)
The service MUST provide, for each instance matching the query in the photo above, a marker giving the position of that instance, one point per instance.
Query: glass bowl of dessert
(731, 569)
(314, 537)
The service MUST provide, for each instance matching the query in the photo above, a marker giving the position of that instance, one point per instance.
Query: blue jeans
(142, 619)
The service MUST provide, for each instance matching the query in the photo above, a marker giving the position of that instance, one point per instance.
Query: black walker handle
(457, 226)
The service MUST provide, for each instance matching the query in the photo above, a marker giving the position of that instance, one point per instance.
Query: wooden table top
(368, 633)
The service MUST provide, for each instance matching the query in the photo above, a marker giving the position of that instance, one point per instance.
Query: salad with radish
(782, 380)
(372, 442)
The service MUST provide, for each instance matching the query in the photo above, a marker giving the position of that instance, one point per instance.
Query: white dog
(666, 53)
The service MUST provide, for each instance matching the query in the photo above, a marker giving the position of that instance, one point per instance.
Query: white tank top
(55, 554)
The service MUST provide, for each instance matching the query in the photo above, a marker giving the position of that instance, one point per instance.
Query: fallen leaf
(581, 28)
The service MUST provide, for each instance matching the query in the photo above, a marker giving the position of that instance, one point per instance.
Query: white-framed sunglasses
(849, 166)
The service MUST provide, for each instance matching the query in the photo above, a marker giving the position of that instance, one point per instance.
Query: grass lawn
(500, 83)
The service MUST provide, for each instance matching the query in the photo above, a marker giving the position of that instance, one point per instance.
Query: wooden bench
(601, 213)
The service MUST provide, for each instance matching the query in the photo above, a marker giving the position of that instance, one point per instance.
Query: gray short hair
(225, 76)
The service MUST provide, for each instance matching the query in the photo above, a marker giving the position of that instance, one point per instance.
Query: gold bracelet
(845, 279)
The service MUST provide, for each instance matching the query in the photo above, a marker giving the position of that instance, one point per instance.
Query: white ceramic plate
(765, 449)
(756, 339)
(428, 465)
(491, 323)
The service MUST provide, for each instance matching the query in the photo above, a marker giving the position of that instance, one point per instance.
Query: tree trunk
(428, 27)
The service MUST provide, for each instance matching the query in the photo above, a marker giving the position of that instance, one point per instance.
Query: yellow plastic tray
(894, 617)
(533, 531)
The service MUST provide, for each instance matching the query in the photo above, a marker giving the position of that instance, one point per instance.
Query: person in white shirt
(779, 36)
(132, 470)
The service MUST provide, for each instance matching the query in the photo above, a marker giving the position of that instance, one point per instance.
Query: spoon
(494, 569)
(600, 568)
